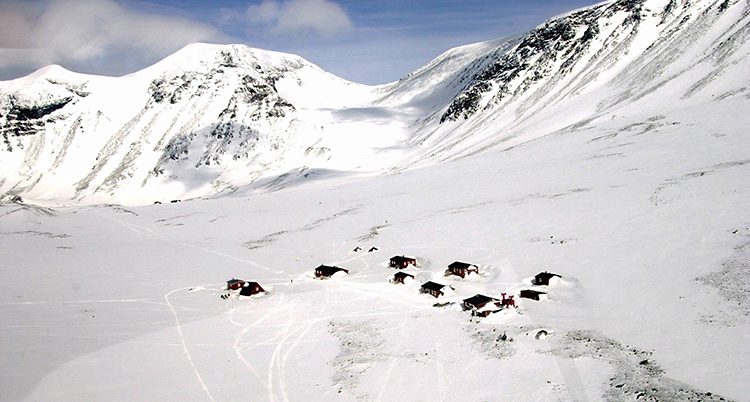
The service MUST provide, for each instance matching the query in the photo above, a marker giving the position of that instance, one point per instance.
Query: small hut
(372, 249)
(401, 262)
(542, 278)
(325, 271)
(251, 288)
(481, 305)
(234, 284)
(533, 294)
(461, 269)
(432, 288)
(401, 276)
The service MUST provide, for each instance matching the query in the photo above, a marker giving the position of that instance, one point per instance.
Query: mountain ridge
(212, 118)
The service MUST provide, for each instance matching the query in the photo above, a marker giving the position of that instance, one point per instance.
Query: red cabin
(461, 269)
(401, 276)
(532, 294)
(481, 305)
(542, 278)
(325, 271)
(402, 262)
(433, 289)
(251, 288)
(234, 284)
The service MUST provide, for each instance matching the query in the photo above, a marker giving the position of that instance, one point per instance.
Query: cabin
(234, 284)
(401, 262)
(532, 294)
(432, 288)
(357, 249)
(542, 278)
(401, 276)
(481, 305)
(372, 249)
(461, 269)
(175, 201)
(251, 288)
(325, 271)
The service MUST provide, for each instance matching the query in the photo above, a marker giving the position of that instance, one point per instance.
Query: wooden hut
(461, 269)
(401, 262)
(251, 288)
(542, 278)
(532, 294)
(234, 284)
(401, 276)
(325, 271)
(481, 305)
(432, 288)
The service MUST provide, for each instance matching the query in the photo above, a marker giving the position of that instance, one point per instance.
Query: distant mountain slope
(601, 61)
(212, 118)
(208, 116)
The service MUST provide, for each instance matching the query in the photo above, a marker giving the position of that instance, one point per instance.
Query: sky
(371, 42)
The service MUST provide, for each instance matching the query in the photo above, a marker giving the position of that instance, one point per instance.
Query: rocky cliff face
(611, 58)
(210, 107)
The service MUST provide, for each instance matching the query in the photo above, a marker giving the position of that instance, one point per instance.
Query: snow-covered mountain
(594, 64)
(212, 118)
(196, 123)
(609, 146)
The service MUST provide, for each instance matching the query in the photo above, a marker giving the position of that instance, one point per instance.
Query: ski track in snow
(184, 343)
(394, 359)
(440, 368)
(236, 346)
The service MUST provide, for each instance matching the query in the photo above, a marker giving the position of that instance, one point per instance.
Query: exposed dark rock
(536, 55)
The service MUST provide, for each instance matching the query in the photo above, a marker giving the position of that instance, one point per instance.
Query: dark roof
(235, 281)
(402, 274)
(479, 300)
(247, 290)
(401, 258)
(546, 275)
(459, 265)
(329, 270)
(533, 292)
(432, 286)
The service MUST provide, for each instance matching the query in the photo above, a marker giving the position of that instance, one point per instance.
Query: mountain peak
(203, 56)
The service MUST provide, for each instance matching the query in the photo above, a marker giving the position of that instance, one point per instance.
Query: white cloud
(321, 17)
(100, 34)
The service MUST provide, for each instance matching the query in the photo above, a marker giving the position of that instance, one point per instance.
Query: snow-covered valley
(111, 302)
(631, 183)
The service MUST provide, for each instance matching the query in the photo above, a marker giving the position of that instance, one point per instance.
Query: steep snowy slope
(211, 119)
(612, 59)
(203, 120)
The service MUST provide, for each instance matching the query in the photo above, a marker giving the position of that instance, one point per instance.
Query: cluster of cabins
(479, 305)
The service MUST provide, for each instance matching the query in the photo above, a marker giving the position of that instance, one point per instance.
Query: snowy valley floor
(650, 232)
